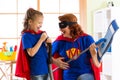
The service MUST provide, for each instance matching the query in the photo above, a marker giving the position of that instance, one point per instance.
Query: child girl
(34, 45)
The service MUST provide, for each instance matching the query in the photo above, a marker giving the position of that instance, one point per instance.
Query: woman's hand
(60, 63)
(100, 42)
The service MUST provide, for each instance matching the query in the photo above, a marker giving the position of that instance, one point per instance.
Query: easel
(4, 67)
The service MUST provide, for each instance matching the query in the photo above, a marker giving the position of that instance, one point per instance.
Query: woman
(71, 43)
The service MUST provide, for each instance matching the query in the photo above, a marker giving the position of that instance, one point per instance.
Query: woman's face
(66, 31)
(36, 24)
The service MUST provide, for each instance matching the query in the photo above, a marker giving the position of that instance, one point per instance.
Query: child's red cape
(58, 73)
(22, 62)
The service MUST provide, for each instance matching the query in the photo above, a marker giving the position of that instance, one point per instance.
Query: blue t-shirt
(38, 63)
(68, 49)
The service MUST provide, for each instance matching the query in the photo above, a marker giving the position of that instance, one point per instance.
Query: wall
(93, 5)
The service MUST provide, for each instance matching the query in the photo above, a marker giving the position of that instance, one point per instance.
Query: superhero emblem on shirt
(73, 52)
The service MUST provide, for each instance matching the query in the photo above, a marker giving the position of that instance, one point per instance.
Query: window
(11, 17)
(12, 14)
(53, 9)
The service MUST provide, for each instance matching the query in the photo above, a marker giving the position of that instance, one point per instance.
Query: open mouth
(38, 28)
(63, 32)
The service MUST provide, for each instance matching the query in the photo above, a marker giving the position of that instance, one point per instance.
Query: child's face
(36, 24)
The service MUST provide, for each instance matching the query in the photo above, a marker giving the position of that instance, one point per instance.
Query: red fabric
(33, 32)
(61, 37)
(101, 68)
(57, 75)
(22, 63)
(96, 71)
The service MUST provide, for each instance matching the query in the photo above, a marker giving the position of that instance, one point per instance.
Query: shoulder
(86, 38)
(89, 37)
(85, 35)
(26, 36)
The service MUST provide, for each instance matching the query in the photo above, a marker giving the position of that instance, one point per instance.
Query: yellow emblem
(72, 52)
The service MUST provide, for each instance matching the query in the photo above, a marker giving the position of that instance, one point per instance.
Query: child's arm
(32, 51)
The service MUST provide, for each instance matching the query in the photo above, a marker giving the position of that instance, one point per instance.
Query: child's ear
(29, 21)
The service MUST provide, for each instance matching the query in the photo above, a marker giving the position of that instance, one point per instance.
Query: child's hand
(43, 36)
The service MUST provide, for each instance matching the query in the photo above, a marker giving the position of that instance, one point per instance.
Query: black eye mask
(64, 24)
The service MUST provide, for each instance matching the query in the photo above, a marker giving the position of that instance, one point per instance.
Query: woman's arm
(94, 55)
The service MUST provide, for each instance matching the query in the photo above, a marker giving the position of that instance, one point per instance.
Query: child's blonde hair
(31, 14)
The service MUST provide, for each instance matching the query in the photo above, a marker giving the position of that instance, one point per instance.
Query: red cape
(58, 73)
(22, 63)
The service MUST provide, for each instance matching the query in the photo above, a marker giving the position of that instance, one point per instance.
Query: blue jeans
(40, 77)
(86, 76)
